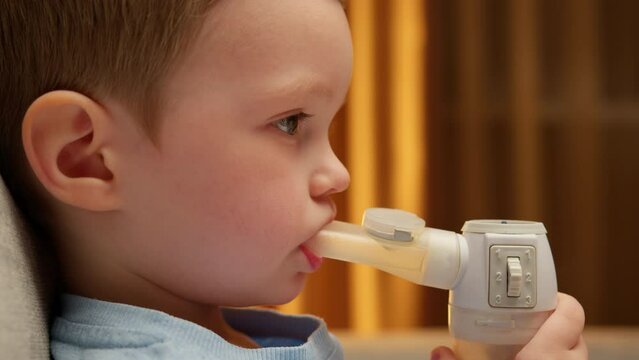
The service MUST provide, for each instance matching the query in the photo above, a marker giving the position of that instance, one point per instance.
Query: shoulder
(94, 329)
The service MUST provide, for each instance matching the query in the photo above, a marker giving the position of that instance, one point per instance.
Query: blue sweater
(100, 330)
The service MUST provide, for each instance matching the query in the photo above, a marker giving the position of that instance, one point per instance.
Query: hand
(560, 337)
(442, 353)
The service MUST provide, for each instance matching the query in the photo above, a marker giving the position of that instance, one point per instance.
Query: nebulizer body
(500, 273)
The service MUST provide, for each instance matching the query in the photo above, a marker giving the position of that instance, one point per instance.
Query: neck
(89, 267)
(88, 276)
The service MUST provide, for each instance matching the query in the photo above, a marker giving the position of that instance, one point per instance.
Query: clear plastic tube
(349, 242)
(431, 257)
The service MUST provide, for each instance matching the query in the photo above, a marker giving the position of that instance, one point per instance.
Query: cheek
(237, 228)
(256, 200)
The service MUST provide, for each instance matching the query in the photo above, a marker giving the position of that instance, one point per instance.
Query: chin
(286, 292)
(275, 292)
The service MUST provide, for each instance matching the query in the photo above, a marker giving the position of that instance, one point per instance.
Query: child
(179, 155)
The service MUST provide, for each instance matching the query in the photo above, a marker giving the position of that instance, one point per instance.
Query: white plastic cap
(392, 224)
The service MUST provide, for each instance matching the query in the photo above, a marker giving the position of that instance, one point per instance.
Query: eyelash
(297, 118)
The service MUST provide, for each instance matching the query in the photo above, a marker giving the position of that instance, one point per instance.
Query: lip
(314, 260)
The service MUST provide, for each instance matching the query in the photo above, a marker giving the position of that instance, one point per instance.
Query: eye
(290, 124)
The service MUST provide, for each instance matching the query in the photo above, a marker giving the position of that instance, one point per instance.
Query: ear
(66, 136)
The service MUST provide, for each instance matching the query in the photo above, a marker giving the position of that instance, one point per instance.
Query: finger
(562, 330)
(442, 353)
(581, 349)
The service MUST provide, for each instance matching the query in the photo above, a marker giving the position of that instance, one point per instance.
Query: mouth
(314, 260)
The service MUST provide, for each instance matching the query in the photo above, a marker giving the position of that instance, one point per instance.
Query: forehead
(256, 42)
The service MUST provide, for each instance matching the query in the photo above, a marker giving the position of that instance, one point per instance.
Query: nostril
(321, 186)
(324, 185)
(331, 177)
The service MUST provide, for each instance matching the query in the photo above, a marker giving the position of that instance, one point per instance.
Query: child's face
(218, 211)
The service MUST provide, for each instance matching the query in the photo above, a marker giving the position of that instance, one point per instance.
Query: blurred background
(466, 109)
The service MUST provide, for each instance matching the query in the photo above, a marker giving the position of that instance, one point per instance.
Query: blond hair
(123, 49)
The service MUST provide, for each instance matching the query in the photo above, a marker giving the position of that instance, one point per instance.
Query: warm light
(408, 148)
(362, 158)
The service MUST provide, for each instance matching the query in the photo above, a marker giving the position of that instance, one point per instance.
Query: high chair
(25, 287)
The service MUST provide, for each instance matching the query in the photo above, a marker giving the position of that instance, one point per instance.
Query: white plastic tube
(433, 258)
(349, 242)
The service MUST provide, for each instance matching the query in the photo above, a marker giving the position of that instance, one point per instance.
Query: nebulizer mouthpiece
(500, 272)
(396, 242)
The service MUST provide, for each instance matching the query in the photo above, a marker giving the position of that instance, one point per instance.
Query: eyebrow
(303, 85)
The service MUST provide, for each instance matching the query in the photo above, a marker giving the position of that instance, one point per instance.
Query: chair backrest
(24, 287)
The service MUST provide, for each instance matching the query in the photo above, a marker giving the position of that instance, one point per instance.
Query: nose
(330, 177)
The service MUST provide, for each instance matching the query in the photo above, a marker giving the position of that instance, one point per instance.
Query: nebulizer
(500, 273)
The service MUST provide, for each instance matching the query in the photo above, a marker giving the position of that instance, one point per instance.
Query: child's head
(231, 170)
